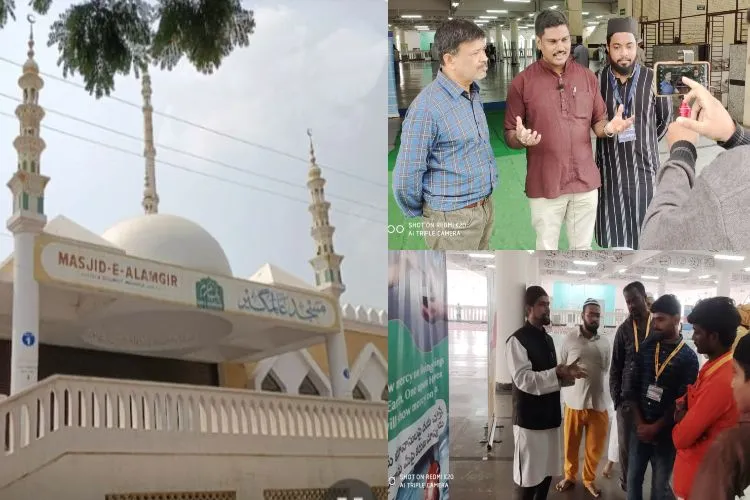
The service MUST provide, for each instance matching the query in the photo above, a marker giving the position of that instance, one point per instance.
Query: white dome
(171, 240)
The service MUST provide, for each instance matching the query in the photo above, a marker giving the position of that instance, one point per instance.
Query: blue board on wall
(392, 101)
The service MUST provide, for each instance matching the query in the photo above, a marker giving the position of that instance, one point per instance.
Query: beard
(546, 320)
(622, 70)
(592, 328)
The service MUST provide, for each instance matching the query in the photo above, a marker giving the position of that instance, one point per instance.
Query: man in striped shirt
(665, 366)
(446, 169)
(628, 161)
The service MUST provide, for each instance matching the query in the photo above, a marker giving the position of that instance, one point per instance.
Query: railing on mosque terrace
(560, 317)
(94, 412)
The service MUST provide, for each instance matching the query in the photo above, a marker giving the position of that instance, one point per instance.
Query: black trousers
(538, 492)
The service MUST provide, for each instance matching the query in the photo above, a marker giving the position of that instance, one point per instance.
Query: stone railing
(65, 414)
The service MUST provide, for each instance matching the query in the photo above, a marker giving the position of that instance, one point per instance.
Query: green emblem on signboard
(209, 295)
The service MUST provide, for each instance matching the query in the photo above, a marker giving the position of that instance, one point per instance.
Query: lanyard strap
(719, 363)
(631, 93)
(635, 332)
(660, 368)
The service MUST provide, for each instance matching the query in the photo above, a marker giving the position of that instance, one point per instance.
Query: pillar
(575, 17)
(532, 275)
(724, 288)
(746, 110)
(514, 42)
(24, 358)
(338, 363)
(498, 44)
(511, 268)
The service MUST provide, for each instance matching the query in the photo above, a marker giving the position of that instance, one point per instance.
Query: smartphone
(668, 76)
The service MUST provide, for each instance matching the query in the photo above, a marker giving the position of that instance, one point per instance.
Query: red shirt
(563, 162)
(711, 410)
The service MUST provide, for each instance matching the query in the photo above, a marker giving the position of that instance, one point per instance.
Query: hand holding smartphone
(668, 76)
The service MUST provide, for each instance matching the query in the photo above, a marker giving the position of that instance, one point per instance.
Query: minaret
(28, 220)
(326, 263)
(150, 198)
(327, 266)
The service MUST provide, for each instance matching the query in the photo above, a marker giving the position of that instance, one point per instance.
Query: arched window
(307, 387)
(271, 383)
(358, 393)
(384, 394)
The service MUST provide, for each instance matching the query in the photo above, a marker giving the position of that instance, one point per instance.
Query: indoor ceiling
(489, 13)
(693, 269)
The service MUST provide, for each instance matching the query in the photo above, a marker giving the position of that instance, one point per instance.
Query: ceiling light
(421, 28)
(455, 4)
(599, 17)
(487, 17)
(519, 18)
(411, 16)
(716, 282)
(531, 15)
(645, 277)
(517, 1)
(738, 258)
(497, 12)
(482, 255)
(554, 7)
(622, 271)
(678, 270)
(706, 276)
(450, 19)
(573, 271)
(585, 13)
(490, 266)
(584, 263)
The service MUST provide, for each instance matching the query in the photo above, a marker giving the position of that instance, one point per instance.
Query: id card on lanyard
(654, 391)
(627, 135)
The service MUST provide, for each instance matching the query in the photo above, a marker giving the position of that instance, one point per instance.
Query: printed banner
(61, 262)
(392, 100)
(492, 349)
(417, 376)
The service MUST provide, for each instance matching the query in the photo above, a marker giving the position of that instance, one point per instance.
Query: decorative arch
(367, 352)
(360, 392)
(320, 379)
(272, 383)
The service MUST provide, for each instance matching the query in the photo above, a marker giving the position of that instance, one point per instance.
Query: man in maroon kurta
(560, 103)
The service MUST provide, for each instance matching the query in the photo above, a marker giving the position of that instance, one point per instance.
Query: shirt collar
(528, 324)
(708, 364)
(454, 89)
(548, 67)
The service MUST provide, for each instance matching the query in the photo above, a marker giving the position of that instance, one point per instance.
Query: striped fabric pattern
(741, 137)
(445, 159)
(681, 371)
(628, 169)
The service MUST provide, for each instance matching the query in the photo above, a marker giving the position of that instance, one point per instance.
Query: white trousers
(613, 452)
(578, 211)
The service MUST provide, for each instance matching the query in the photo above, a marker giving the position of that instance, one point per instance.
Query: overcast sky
(318, 64)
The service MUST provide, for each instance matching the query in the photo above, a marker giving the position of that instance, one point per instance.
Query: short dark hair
(742, 355)
(549, 18)
(635, 286)
(451, 34)
(719, 315)
(667, 304)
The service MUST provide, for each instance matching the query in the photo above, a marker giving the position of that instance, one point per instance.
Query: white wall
(467, 288)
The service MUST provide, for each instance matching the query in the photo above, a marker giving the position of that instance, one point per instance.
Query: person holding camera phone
(628, 161)
(706, 212)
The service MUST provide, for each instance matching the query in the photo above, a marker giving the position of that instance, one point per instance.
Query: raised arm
(524, 378)
(682, 203)
(418, 133)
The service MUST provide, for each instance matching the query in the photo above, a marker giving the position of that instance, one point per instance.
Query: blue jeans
(661, 455)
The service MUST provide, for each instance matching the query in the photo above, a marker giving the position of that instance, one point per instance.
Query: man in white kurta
(586, 401)
(537, 379)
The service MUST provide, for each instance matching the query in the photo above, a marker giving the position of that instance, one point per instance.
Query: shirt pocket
(583, 105)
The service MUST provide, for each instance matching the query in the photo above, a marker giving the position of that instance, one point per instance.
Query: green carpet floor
(513, 229)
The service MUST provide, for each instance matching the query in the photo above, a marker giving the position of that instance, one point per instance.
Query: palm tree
(101, 38)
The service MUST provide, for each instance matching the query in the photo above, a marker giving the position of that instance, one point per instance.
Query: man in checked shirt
(446, 169)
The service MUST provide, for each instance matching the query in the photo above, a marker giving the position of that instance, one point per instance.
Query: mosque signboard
(62, 262)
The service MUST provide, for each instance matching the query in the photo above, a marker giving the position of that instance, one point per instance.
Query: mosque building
(154, 300)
